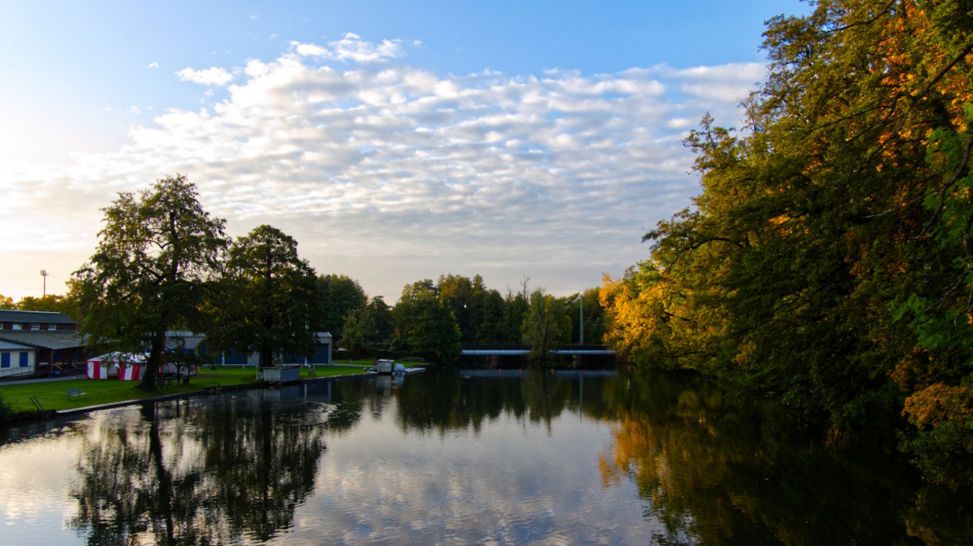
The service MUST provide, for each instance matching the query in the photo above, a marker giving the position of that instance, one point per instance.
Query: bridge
(567, 350)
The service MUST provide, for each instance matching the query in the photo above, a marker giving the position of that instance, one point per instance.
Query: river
(459, 458)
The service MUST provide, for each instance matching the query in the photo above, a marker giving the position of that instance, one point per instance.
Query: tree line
(827, 262)
(163, 263)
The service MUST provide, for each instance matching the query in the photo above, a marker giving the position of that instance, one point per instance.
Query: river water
(459, 458)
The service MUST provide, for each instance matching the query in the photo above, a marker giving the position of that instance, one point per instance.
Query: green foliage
(51, 303)
(944, 453)
(478, 310)
(594, 316)
(827, 261)
(369, 329)
(266, 300)
(545, 326)
(425, 325)
(7, 302)
(147, 274)
(338, 295)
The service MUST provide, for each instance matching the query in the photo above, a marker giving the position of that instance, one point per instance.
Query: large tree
(425, 325)
(827, 261)
(368, 329)
(337, 296)
(267, 301)
(154, 253)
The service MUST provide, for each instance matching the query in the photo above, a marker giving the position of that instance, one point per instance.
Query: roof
(7, 346)
(10, 315)
(45, 340)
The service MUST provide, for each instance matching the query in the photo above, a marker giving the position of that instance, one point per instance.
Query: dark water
(453, 459)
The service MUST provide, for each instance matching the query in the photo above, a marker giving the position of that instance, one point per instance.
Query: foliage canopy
(827, 261)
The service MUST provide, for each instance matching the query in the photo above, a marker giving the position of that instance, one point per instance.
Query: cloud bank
(390, 172)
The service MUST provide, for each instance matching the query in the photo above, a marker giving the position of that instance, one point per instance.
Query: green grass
(53, 395)
(368, 362)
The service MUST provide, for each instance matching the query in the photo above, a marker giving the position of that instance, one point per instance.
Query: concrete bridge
(568, 350)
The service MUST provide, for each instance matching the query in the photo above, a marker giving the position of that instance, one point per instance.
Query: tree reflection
(184, 473)
(462, 403)
(724, 473)
(707, 468)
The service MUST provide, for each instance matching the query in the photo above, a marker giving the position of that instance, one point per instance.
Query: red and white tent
(125, 366)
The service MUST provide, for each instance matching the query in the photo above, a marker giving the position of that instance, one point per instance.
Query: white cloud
(152, 65)
(207, 76)
(352, 48)
(391, 173)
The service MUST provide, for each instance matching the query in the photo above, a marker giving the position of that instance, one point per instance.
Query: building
(16, 359)
(37, 342)
(35, 321)
(182, 342)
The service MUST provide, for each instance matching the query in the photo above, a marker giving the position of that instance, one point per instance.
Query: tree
(368, 328)
(827, 261)
(425, 325)
(514, 310)
(6, 302)
(268, 299)
(338, 295)
(51, 302)
(594, 319)
(545, 325)
(146, 276)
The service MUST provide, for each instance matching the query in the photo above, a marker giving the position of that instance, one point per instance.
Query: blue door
(4, 360)
(23, 359)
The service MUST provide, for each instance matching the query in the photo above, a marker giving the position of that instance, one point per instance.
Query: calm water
(452, 459)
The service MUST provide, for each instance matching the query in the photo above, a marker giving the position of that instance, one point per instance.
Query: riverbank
(37, 400)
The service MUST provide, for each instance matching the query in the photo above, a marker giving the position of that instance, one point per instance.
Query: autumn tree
(155, 251)
(826, 261)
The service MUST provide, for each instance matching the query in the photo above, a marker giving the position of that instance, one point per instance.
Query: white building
(16, 359)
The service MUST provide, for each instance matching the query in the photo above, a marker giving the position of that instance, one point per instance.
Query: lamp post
(44, 275)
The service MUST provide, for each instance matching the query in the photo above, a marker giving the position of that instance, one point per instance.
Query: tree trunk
(156, 353)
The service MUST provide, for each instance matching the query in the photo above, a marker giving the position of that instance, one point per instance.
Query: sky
(396, 141)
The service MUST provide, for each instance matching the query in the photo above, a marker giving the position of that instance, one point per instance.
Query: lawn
(53, 395)
(369, 362)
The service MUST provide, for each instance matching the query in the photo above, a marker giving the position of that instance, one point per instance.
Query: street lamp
(44, 274)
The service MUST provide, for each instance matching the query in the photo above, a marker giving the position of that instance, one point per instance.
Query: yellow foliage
(940, 403)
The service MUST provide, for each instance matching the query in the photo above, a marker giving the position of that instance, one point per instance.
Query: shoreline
(26, 417)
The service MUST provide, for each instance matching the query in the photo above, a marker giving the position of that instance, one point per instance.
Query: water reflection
(469, 459)
(191, 473)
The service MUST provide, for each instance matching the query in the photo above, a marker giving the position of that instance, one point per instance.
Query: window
(35, 326)
(4, 360)
(17, 326)
(23, 359)
(52, 326)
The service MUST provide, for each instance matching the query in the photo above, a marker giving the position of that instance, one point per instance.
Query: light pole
(44, 275)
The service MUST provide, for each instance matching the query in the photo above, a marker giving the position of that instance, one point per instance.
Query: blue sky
(568, 89)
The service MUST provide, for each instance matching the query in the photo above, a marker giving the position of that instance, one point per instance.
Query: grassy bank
(53, 395)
